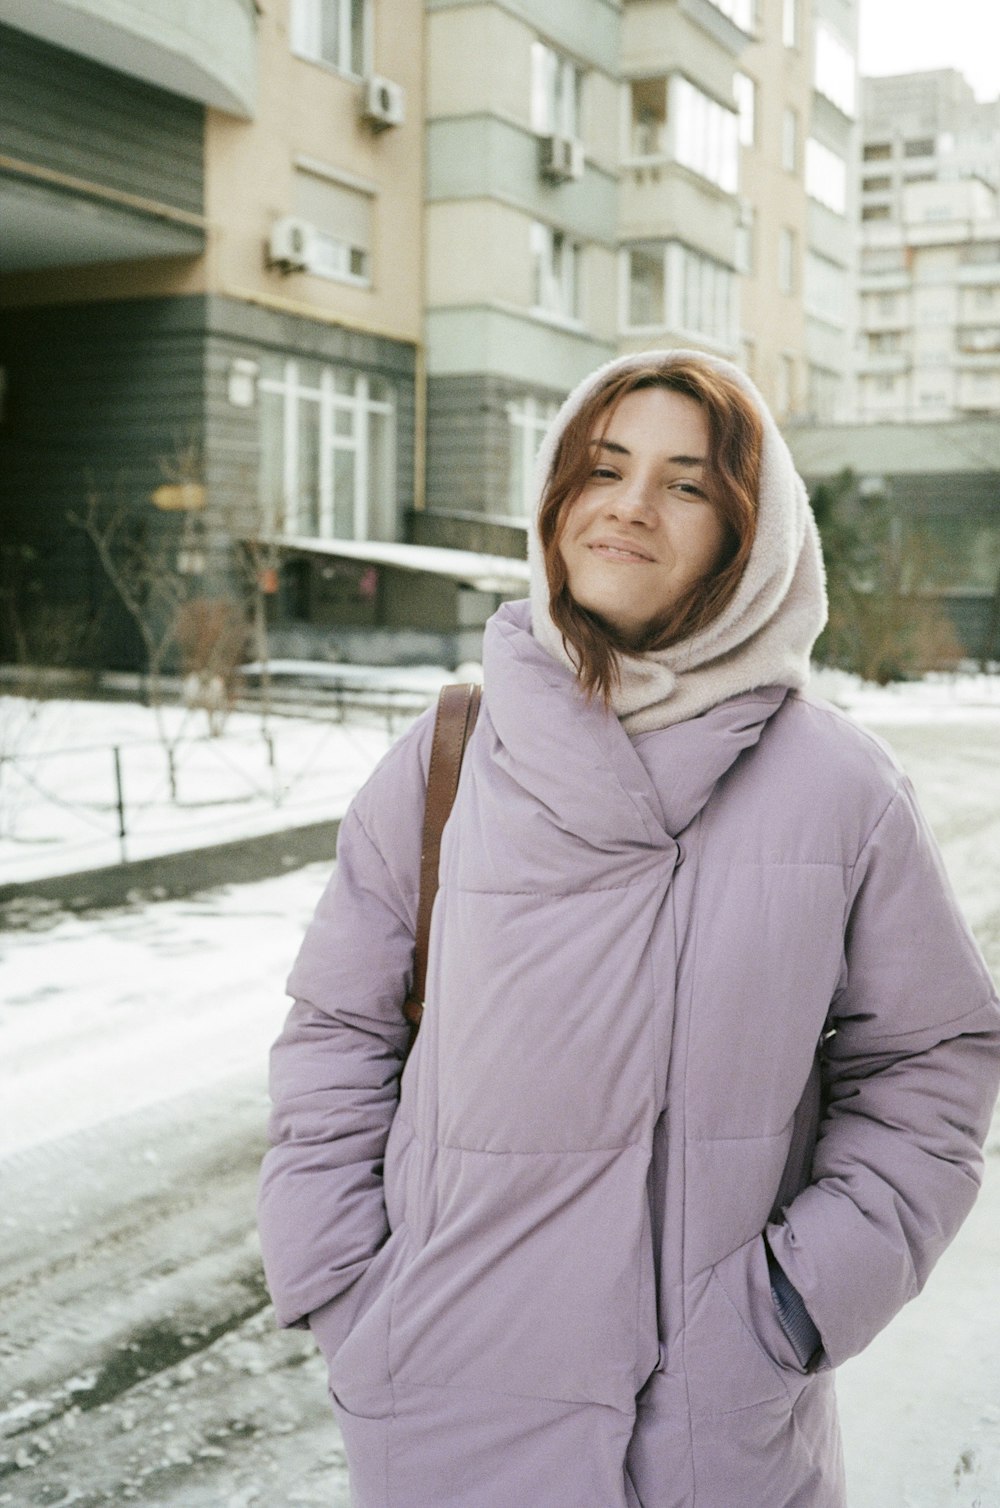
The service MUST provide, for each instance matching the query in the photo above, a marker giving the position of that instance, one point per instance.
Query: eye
(690, 489)
(605, 473)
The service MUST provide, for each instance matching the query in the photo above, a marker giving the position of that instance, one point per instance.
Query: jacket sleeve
(335, 1067)
(911, 1074)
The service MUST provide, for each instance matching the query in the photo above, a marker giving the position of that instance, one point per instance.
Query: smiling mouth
(619, 552)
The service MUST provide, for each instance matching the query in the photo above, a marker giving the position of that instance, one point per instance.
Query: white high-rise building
(928, 344)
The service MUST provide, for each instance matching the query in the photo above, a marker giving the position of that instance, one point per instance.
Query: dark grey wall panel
(469, 441)
(62, 111)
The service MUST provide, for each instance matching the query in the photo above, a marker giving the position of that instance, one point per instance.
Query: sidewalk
(170, 876)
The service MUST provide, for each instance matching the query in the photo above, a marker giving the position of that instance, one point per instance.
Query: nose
(633, 501)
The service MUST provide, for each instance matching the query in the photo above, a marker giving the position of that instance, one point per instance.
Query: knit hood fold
(766, 632)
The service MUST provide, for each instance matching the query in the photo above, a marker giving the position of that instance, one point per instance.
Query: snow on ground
(137, 1362)
(59, 796)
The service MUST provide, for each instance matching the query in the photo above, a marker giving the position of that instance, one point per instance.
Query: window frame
(306, 30)
(562, 256)
(294, 392)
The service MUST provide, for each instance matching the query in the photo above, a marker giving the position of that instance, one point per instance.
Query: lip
(621, 550)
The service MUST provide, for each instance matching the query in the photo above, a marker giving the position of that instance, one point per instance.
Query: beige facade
(306, 145)
(309, 152)
(773, 208)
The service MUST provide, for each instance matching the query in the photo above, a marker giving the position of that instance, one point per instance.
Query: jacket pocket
(746, 1282)
(736, 1352)
(333, 1323)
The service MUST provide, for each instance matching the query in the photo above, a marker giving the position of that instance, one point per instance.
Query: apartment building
(210, 278)
(795, 87)
(521, 222)
(929, 279)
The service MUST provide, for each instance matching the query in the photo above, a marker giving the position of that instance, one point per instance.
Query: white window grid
(704, 135)
(787, 257)
(359, 405)
(790, 23)
(825, 293)
(700, 295)
(340, 261)
(529, 418)
(556, 88)
(835, 70)
(745, 94)
(334, 32)
(556, 258)
(826, 176)
(790, 140)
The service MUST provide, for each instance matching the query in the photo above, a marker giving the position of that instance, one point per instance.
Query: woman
(708, 1054)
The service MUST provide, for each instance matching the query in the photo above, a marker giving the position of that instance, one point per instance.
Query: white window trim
(299, 47)
(530, 418)
(362, 405)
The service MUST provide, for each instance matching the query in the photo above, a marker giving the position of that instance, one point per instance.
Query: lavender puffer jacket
(685, 989)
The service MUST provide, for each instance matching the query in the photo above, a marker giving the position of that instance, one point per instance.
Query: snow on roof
(487, 573)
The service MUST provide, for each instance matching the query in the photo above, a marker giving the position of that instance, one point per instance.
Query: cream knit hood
(765, 634)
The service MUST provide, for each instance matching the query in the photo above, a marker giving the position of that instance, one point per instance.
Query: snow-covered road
(137, 1363)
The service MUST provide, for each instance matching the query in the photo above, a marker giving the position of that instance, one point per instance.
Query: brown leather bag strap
(457, 710)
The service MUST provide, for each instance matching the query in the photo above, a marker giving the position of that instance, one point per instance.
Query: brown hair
(732, 476)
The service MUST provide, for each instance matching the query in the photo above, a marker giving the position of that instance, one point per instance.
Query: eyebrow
(622, 450)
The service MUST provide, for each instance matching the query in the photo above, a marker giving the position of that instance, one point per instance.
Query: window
(826, 290)
(826, 176)
(556, 260)
(922, 148)
(745, 94)
(787, 253)
(790, 23)
(649, 117)
(703, 292)
(835, 74)
(875, 212)
(880, 185)
(885, 342)
(790, 140)
(981, 252)
(342, 218)
(671, 286)
(529, 418)
(328, 452)
(705, 135)
(786, 385)
(877, 151)
(824, 392)
(745, 240)
(647, 286)
(331, 31)
(742, 12)
(555, 93)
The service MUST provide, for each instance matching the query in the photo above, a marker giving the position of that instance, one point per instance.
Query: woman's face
(643, 529)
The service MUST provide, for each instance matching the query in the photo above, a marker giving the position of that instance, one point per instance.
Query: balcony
(204, 52)
(884, 363)
(660, 199)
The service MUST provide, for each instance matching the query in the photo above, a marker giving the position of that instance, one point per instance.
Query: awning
(486, 573)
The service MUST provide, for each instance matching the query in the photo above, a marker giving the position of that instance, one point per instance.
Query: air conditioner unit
(292, 244)
(384, 103)
(562, 158)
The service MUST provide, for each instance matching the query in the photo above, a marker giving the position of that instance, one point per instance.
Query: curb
(171, 876)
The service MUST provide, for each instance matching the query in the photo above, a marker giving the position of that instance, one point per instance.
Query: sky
(904, 36)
